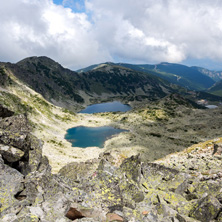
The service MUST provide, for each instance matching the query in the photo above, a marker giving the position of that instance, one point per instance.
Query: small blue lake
(211, 106)
(106, 107)
(83, 137)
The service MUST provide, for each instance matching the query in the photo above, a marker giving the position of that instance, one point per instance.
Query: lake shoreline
(60, 152)
(83, 136)
(114, 106)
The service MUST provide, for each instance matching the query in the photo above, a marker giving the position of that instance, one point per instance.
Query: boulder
(11, 183)
(79, 171)
(11, 154)
(17, 123)
(206, 209)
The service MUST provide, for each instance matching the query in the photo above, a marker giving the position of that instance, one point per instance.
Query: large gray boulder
(206, 209)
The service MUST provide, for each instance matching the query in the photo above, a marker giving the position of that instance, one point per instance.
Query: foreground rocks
(183, 187)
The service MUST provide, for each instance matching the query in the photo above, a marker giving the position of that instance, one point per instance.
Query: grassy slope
(216, 89)
(174, 78)
(49, 122)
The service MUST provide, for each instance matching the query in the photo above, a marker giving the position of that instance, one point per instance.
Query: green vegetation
(216, 89)
(184, 76)
(217, 92)
(14, 103)
(63, 86)
(4, 79)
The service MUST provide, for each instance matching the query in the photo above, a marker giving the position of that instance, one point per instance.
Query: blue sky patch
(75, 5)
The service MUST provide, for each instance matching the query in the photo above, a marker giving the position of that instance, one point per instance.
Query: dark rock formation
(4, 112)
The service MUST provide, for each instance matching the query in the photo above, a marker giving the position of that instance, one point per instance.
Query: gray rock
(18, 123)
(11, 154)
(206, 209)
(11, 183)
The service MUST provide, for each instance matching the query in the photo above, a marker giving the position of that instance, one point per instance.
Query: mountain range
(67, 88)
(188, 77)
(144, 174)
(215, 75)
(109, 81)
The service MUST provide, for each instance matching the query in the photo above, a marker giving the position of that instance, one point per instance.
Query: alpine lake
(84, 137)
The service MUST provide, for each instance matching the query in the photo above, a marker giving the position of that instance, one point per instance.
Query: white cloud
(39, 27)
(159, 30)
(146, 31)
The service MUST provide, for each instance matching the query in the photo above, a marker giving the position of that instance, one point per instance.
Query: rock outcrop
(183, 187)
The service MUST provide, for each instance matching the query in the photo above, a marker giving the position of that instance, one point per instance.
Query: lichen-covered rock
(14, 139)
(11, 154)
(206, 209)
(18, 146)
(131, 167)
(28, 190)
(78, 171)
(11, 183)
(34, 154)
(219, 218)
(17, 123)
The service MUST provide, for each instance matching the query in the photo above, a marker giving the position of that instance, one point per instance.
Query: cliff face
(182, 187)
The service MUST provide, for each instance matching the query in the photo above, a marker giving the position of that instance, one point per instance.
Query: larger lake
(83, 137)
(106, 107)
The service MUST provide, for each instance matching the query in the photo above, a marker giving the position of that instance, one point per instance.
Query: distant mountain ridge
(101, 83)
(67, 88)
(216, 89)
(182, 75)
(215, 75)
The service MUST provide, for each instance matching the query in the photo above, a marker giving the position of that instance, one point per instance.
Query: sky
(79, 33)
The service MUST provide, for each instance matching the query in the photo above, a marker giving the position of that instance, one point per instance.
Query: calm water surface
(106, 107)
(211, 106)
(83, 137)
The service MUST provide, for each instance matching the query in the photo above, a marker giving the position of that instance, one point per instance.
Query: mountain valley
(70, 89)
(145, 174)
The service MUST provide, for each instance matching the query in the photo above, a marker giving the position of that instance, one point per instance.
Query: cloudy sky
(78, 33)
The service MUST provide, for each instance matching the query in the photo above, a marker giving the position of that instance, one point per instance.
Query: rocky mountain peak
(34, 62)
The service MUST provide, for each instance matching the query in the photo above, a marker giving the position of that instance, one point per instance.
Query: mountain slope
(117, 80)
(178, 74)
(50, 79)
(49, 122)
(68, 89)
(216, 89)
(110, 186)
(105, 82)
(215, 75)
